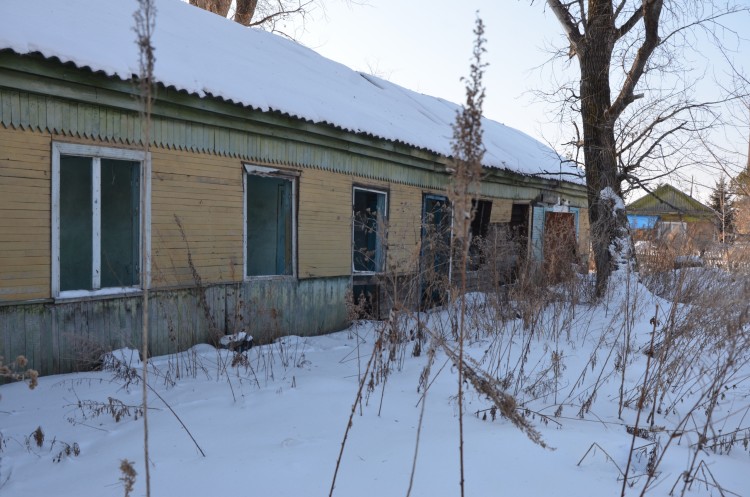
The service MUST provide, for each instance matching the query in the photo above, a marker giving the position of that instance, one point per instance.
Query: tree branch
(630, 23)
(651, 16)
(569, 24)
(281, 13)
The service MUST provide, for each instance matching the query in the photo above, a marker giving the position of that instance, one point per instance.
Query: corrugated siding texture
(25, 171)
(205, 192)
(404, 228)
(325, 219)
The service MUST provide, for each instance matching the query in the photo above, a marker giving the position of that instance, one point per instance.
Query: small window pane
(120, 223)
(269, 226)
(369, 224)
(75, 223)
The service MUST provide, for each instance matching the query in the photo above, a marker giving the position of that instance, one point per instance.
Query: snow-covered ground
(273, 424)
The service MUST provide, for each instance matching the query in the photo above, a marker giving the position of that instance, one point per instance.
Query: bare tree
(266, 14)
(634, 110)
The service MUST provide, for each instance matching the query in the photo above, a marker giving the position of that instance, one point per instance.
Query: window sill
(290, 277)
(104, 293)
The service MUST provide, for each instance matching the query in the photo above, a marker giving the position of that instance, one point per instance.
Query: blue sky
(425, 45)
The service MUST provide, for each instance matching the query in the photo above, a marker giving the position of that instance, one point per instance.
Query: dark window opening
(99, 223)
(120, 223)
(269, 226)
(369, 211)
(480, 227)
(435, 255)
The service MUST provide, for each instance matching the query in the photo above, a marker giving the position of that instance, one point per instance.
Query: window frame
(97, 153)
(276, 173)
(382, 242)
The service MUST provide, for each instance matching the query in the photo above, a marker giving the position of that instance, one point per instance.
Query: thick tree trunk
(608, 225)
(245, 11)
(220, 7)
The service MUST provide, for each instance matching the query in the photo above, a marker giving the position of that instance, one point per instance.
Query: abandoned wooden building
(268, 171)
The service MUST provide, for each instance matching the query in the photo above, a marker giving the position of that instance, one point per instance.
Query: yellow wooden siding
(25, 171)
(404, 228)
(205, 193)
(502, 210)
(325, 224)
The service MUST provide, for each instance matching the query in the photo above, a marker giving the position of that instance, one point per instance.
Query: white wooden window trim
(97, 153)
(252, 169)
(385, 217)
(96, 223)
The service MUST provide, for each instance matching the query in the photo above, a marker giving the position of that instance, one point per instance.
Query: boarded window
(368, 233)
(99, 219)
(269, 228)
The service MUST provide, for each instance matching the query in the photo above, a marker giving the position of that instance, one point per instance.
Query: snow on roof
(201, 53)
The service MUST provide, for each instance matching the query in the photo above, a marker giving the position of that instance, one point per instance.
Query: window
(368, 231)
(479, 229)
(270, 234)
(97, 200)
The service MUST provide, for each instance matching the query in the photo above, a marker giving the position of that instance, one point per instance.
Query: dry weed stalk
(128, 474)
(145, 19)
(16, 371)
(468, 152)
(486, 385)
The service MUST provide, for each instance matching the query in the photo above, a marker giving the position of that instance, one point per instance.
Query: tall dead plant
(145, 22)
(468, 152)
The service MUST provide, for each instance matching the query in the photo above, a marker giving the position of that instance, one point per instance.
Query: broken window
(269, 222)
(368, 233)
(96, 219)
(479, 229)
(435, 250)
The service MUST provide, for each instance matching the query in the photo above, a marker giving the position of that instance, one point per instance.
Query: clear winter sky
(425, 45)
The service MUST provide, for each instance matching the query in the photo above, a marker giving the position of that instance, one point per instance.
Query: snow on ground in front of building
(274, 426)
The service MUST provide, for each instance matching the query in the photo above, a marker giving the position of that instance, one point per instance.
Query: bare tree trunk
(592, 32)
(220, 7)
(599, 146)
(245, 11)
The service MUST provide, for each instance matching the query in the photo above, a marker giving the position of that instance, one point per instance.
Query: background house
(675, 221)
(278, 182)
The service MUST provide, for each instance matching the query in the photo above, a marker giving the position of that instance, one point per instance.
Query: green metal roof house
(667, 210)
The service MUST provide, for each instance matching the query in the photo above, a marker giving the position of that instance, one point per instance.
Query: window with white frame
(98, 194)
(270, 221)
(368, 231)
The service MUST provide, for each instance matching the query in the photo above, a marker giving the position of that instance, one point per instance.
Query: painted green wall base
(71, 336)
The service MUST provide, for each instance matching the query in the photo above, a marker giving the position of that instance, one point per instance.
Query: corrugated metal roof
(208, 56)
(667, 199)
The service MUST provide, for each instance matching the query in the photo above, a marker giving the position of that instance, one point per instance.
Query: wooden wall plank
(502, 210)
(24, 212)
